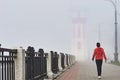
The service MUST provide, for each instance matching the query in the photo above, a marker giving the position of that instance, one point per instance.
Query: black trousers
(99, 66)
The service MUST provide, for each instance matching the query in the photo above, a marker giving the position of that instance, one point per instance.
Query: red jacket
(99, 54)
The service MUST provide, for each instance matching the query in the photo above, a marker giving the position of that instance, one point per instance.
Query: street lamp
(116, 47)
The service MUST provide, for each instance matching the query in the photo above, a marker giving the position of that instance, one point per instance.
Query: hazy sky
(48, 24)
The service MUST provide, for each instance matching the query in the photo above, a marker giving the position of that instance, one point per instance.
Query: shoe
(99, 77)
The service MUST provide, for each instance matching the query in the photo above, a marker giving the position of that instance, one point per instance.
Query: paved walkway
(87, 71)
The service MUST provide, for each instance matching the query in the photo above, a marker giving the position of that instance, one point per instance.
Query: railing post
(59, 63)
(65, 61)
(49, 66)
(69, 59)
(20, 65)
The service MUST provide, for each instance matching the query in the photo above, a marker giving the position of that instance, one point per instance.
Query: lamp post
(116, 47)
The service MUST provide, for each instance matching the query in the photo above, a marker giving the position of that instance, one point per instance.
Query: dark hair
(98, 44)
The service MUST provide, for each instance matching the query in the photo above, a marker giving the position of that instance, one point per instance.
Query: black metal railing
(36, 64)
(7, 65)
(54, 62)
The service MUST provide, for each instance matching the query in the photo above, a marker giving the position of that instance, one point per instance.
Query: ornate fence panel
(35, 64)
(54, 58)
(7, 65)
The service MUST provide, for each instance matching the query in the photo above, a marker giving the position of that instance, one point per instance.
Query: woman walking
(98, 55)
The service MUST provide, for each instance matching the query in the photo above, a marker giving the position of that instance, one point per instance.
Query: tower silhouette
(79, 38)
